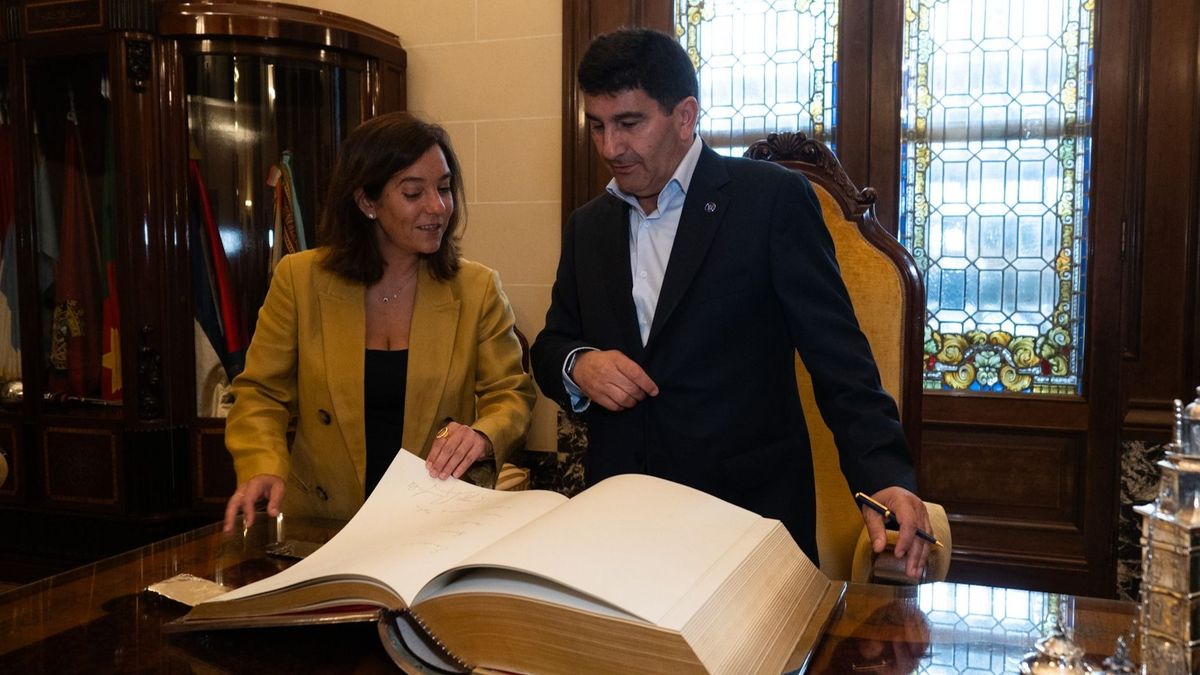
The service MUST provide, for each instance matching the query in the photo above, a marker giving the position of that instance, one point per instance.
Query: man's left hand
(910, 514)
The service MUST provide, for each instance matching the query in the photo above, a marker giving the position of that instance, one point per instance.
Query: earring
(371, 215)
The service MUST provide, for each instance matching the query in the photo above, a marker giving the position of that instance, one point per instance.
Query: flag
(75, 341)
(10, 315)
(289, 225)
(289, 188)
(46, 220)
(216, 302)
(110, 361)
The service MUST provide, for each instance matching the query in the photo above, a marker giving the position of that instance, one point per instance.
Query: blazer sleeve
(265, 392)
(563, 331)
(872, 449)
(503, 390)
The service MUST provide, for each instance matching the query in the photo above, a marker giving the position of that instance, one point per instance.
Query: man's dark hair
(639, 58)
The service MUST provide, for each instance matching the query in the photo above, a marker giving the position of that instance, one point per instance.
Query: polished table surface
(99, 619)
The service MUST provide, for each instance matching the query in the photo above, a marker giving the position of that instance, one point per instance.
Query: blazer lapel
(618, 278)
(431, 339)
(703, 210)
(343, 337)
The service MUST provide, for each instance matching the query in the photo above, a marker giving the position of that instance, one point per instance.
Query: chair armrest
(868, 567)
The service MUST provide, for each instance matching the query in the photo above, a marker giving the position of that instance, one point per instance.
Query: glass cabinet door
(10, 327)
(74, 231)
(263, 135)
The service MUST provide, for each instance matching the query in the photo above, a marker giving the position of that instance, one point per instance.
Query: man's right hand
(612, 379)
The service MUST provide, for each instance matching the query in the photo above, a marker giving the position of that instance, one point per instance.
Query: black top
(383, 386)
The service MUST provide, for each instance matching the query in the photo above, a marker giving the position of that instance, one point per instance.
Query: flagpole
(73, 118)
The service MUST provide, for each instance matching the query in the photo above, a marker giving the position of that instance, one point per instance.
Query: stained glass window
(763, 66)
(995, 117)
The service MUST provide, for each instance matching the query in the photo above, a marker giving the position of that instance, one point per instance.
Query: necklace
(405, 282)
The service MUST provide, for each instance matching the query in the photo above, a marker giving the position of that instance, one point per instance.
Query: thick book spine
(408, 639)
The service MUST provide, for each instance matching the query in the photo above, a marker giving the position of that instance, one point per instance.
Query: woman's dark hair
(639, 58)
(370, 156)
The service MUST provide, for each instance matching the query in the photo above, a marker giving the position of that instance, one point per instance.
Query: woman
(382, 338)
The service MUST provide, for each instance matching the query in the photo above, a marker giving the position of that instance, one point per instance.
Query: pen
(889, 518)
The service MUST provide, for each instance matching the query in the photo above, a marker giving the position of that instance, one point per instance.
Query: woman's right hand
(263, 486)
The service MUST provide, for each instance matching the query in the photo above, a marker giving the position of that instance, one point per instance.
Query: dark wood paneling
(1132, 222)
(215, 479)
(391, 95)
(1191, 364)
(278, 21)
(853, 132)
(883, 150)
(1032, 476)
(141, 267)
(1160, 267)
(81, 466)
(1016, 505)
(56, 16)
(584, 175)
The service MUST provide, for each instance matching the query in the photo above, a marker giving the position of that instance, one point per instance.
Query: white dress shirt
(651, 237)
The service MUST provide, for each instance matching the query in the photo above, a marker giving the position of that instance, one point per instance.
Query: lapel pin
(710, 207)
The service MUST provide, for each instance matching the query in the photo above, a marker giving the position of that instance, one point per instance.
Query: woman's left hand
(455, 448)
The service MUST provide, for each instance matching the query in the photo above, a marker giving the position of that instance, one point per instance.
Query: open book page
(504, 581)
(640, 543)
(411, 528)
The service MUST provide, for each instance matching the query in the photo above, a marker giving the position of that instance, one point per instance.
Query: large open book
(635, 574)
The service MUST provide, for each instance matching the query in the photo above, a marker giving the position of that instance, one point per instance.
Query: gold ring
(444, 432)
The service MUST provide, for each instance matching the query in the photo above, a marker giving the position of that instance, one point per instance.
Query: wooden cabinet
(155, 157)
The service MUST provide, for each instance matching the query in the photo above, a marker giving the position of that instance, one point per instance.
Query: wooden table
(98, 619)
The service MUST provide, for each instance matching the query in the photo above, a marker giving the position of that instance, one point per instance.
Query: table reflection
(893, 640)
(99, 618)
(957, 628)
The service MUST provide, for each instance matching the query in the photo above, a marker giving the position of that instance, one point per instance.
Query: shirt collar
(682, 176)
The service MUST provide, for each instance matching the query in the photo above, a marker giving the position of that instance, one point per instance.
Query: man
(681, 298)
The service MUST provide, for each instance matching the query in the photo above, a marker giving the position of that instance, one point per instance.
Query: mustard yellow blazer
(307, 359)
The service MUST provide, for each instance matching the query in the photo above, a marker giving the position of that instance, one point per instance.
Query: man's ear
(687, 112)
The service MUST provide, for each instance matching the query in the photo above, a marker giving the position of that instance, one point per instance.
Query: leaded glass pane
(763, 66)
(977, 629)
(995, 117)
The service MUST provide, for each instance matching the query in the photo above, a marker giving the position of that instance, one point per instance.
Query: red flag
(75, 329)
(231, 320)
(110, 362)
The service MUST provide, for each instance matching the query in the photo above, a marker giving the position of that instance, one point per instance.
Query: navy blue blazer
(751, 280)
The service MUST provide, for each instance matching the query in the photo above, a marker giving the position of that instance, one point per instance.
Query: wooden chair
(888, 297)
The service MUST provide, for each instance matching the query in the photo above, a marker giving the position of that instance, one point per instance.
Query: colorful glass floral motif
(763, 67)
(995, 117)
